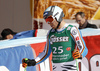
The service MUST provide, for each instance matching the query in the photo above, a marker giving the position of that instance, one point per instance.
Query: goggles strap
(57, 26)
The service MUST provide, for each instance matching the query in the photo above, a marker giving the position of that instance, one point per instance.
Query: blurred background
(23, 15)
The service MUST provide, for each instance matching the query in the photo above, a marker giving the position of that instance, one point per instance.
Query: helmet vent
(52, 9)
(56, 14)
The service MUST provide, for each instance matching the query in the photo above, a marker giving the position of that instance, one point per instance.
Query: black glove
(27, 62)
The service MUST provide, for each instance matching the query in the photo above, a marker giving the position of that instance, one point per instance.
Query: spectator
(83, 23)
(7, 33)
(1, 38)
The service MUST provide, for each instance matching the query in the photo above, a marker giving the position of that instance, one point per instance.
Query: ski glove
(76, 54)
(27, 62)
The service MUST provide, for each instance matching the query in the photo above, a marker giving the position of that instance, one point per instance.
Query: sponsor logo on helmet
(45, 13)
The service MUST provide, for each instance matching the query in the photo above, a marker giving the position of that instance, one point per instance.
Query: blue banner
(11, 58)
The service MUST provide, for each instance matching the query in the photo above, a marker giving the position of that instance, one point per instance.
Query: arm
(45, 54)
(80, 44)
(40, 58)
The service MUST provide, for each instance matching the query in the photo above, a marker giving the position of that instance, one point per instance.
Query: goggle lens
(49, 19)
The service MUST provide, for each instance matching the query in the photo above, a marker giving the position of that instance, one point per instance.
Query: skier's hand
(27, 62)
(76, 54)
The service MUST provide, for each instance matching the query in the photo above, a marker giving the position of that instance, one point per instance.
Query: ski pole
(26, 66)
(76, 64)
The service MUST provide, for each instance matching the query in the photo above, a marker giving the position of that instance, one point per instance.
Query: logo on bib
(58, 39)
(68, 49)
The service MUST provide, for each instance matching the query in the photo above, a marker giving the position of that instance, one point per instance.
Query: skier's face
(52, 22)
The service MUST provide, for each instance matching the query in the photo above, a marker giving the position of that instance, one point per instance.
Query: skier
(63, 40)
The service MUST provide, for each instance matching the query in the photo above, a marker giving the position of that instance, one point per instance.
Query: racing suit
(62, 43)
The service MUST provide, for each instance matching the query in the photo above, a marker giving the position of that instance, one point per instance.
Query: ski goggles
(49, 20)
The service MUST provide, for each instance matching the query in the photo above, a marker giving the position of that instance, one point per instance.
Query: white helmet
(55, 12)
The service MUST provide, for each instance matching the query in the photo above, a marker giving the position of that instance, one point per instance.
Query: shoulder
(91, 25)
(71, 27)
(50, 31)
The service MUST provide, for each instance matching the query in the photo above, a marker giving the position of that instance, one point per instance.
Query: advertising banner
(70, 7)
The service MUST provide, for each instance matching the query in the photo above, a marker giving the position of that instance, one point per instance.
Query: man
(83, 23)
(63, 40)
